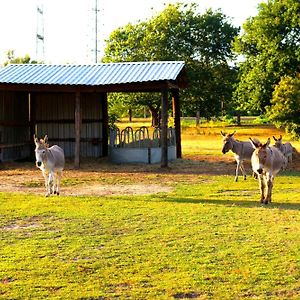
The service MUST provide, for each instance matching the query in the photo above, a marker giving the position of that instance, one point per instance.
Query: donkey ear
(46, 139)
(35, 139)
(232, 134)
(275, 138)
(280, 138)
(267, 143)
(222, 133)
(253, 143)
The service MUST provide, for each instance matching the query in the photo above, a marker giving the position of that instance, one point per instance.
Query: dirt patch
(101, 178)
(90, 180)
(120, 189)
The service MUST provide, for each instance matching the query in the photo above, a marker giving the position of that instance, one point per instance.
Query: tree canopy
(285, 105)
(271, 47)
(203, 41)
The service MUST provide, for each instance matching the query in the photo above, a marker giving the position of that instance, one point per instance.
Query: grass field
(206, 237)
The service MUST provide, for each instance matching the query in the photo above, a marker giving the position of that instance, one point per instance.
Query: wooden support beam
(104, 124)
(77, 129)
(176, 115)
(164, 128)
(32, 123)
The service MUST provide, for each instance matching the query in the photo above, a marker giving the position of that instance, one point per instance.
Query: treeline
(265, 81)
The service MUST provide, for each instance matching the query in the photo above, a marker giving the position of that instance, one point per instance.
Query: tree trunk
(238, 119)
(197, 117)
(155, 118)
(130, 115)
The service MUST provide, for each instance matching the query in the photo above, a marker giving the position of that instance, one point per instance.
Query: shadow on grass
(290, 173)
(193, 165)
(236, 203)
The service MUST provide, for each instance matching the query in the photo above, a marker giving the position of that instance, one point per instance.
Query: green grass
(209, 238)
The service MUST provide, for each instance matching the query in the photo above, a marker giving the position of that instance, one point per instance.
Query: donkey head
(227, 141)
(278, 142)
(260, 155)
(41, 146)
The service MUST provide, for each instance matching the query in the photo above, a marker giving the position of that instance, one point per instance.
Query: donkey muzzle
(38, 163)
(259, 171)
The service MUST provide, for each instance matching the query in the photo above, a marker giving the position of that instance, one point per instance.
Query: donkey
(286, 148)
(51, 162)
(266, 162)
(241, 150)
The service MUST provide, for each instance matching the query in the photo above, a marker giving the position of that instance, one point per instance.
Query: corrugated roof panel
(92, 75)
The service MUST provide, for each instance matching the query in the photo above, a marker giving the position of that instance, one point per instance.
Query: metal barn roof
(90, 75)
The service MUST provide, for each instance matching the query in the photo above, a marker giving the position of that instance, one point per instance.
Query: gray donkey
(51, 161)
(286, 148)
(241, 150)
(266, 162)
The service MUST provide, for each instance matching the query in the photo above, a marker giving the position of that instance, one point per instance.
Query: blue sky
(67, 27)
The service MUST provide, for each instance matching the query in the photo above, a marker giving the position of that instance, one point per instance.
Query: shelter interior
(69, 104)
(26, 113)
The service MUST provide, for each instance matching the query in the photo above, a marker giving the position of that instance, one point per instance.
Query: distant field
(206, 137)
(142, 232)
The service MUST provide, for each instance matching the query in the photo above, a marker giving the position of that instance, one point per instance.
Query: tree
(180, 33)
(270, 44)
(12, 59)
(285, 105)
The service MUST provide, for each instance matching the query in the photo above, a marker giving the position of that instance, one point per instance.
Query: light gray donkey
(51, 162)
(286, 148)
(266, 163)
(241, 150)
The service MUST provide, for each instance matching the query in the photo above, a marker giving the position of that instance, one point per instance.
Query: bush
(285, 105)
(261, 120)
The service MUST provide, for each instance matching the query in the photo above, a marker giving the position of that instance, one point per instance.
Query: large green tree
(270, 44)
(179, 32)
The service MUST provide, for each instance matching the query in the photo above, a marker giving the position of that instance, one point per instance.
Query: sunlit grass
(208, 238)
(211, 239)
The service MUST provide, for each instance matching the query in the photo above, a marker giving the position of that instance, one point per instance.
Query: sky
(68, 24)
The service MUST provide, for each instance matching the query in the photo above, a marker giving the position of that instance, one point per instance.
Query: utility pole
(40, 38)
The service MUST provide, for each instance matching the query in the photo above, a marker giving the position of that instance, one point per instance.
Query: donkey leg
(54, 183)
(50, 182)
(238, 164)
(46, 183)
(59, 173)
(261, 182)
(243, 170)
(269, 189)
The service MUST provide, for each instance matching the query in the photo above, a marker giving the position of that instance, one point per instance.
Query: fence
(139, 146)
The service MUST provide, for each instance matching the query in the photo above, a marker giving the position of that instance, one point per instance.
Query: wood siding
(55, 116)
(14, 126)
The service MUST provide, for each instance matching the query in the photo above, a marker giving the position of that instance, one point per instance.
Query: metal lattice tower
(94, 32)
(40, 39)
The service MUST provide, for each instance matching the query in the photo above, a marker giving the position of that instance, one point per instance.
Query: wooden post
(176, 114)
(32, 121)
(77, 129)
(164, 129)
(104, 124)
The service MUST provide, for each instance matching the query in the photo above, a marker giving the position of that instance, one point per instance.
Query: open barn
(69, 104)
